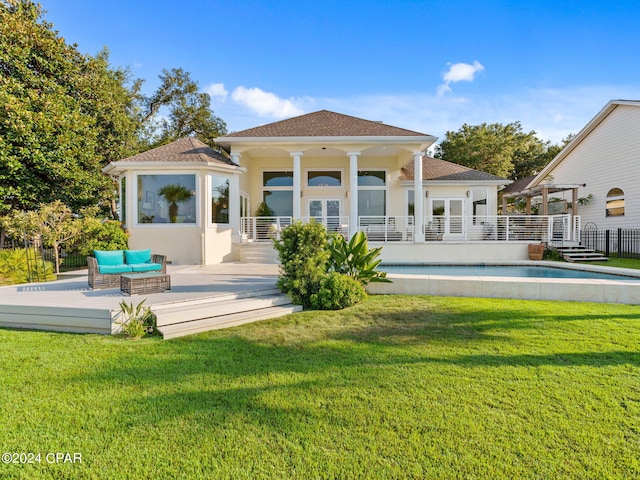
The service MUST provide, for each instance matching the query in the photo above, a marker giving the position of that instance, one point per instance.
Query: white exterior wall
(609, 157)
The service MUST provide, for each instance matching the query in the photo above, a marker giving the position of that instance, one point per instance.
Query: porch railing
(387, 228)
(552, 229)
(333, 224)
(505, 228)
(263, 229)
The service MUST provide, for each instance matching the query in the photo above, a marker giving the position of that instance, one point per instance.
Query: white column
(297, 186)
(353, 193)
(234, 207)
(418, 197)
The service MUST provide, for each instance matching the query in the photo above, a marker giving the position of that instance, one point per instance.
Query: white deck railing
(486, 228)
(263, 229)
(337, 224)
(387, 228)
(504, 228)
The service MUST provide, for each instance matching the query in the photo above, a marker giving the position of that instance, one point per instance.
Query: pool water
(524, 271)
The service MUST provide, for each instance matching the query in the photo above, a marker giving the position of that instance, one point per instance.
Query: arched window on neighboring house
(615, 203)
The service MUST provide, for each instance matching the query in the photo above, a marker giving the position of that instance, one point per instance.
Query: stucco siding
(609, 157)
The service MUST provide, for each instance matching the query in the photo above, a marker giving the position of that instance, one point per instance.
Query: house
(348, 173)
(602, 162)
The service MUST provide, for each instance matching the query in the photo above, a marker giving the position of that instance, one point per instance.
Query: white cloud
(266, 104)
(217, 90)
(459, 72)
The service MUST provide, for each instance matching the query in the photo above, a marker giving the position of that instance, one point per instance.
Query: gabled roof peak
(325, 123)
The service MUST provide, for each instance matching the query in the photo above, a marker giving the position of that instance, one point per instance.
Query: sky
(428, 66)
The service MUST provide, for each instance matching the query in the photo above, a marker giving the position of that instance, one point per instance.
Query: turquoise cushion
(145, 267)
(114, 269)
(113, 257)
(138, 256)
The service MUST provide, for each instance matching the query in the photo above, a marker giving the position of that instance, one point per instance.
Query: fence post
(606, 243)
(619, 242)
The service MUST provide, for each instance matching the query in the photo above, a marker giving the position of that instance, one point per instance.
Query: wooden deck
(69, 305)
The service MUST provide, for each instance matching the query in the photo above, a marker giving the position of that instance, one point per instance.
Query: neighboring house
(348, 173)
(603, 160)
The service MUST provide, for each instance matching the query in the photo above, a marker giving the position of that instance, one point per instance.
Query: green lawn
(397, 387)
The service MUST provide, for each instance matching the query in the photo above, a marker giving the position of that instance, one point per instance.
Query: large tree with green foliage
(64, 115)
(502, 150)
(188, 111)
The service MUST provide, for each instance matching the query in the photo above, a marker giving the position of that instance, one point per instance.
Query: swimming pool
(524, 271)
(524, 280)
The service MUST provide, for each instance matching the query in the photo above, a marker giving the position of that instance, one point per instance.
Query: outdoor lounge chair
(106, 268)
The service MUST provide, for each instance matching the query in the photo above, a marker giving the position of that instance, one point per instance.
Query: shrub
(100, 235)
(355, 259)
(337, 291)
(136, 321)
(15, 267)
(302, 251)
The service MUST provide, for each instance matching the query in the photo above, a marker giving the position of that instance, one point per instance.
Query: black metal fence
(68, 260)
(620, 243)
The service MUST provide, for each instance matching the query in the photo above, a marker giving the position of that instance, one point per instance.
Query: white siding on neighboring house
(607, 157)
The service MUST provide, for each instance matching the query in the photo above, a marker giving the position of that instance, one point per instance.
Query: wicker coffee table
(142, 283)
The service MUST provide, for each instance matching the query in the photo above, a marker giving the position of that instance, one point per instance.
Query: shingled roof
(188, 150)
(326, 124)
(436, 169)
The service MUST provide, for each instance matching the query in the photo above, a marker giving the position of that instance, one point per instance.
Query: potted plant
(536, 251)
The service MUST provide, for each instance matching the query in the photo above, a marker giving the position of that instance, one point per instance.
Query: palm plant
(355, 259)
(175, 194)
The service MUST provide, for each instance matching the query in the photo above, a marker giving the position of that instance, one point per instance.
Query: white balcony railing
(533, 228)
(337, 224)
(387, 228)
(263, 229)
(496, 228)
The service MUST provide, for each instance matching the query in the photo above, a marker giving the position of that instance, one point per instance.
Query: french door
(328, 211)
(447, 216)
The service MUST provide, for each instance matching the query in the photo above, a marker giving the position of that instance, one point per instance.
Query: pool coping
(529, 288)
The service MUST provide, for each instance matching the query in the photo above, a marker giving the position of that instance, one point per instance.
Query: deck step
(225, 321)
(186, 318)
(258, 253)
(581, 254)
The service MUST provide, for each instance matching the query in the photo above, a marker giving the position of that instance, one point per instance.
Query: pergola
(544, 190)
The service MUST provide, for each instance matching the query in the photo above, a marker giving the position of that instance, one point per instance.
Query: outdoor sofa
(106, 267)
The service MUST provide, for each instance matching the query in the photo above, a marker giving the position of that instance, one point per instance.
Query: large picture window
(219, 199)
(166, 198)
(277, 193)
(372, 193)
(615, 203)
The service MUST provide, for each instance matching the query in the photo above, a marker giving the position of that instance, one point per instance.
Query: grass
(620, 262)
(396, 387)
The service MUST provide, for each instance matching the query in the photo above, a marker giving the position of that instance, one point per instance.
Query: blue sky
(429, 66)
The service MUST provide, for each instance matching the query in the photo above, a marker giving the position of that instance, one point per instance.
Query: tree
(52, 225)
(63, 115)
(189, 111)
(502, 150)
(175, 194)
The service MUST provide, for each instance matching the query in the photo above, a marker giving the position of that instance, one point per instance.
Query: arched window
(615, 203)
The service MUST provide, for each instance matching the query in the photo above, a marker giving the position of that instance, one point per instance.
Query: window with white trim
(166, 198)
(372, 193)
(219, 199)
(615, 203)
(324, 178)
(277, 192)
